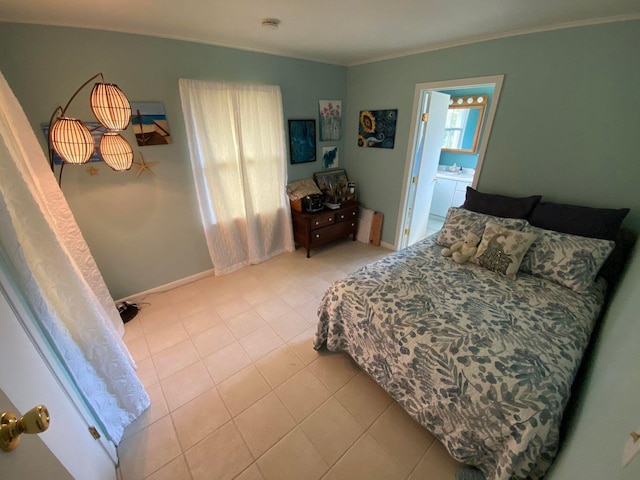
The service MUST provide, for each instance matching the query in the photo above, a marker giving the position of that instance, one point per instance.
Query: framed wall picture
(302, 141)
(377, 128)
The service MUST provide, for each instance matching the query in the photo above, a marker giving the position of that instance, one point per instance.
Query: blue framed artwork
(329, 157)
(377, 128)
(302, 141)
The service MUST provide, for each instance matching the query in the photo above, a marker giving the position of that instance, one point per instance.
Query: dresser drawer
(349, 214)
(322, 219)
(333, 232)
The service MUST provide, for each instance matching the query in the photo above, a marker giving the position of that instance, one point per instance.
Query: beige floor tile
(243, 389)
(175, 358)
(257, 295)
(186, 385)
(154, 301)
(289, 325)
(160, 317)
(367, 459)
(298, 297)
(148, 450)
(201, 321)
(220, 456)
(251, 473)
(436, 464)
(245, 323)
(302, 394)
(264, 423)
(364, 399)
(302, 346)
(332, 430)
(166, 337)
(198, 304)
(184, 293)
(156, 411)
(213, 339)
(309, 311)
(272, 308)
(334, 369)
(138, 348)
(317, 286)
(232, 307)
(293, 458)
(174, 470)
(146, 371)
(279, 365)
(133, 329)
(261, 342)
(406, 440)
(200, 417)
(226, 361)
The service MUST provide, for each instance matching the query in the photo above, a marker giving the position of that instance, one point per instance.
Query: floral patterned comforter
(483, 362)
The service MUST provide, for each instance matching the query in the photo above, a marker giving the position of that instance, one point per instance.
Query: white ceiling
(342, 32)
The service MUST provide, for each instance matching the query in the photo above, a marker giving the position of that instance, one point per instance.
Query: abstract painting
(330, 119)
(302, 141)
(329, 157)
(377, 128)
(149, 123)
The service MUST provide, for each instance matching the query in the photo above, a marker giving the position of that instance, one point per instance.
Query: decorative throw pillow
(500, 205)
(576, 220)
(569, 260)
(502, 250)
(459, 222)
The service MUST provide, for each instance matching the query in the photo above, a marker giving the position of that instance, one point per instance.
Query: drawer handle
(317, 223)
(353, 224)
(331, 219)
(353, 214)
(341, 217)
(317, 235)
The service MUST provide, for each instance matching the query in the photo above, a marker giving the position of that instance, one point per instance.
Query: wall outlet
(631, 449)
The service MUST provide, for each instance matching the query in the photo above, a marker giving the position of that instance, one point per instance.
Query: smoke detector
(271, 23)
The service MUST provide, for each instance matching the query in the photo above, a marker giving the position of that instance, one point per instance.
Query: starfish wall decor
(142, 166)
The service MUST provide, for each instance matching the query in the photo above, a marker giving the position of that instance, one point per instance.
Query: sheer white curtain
(238, 157)
(59, 278)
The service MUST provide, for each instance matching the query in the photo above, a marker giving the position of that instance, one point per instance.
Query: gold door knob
(35, 420)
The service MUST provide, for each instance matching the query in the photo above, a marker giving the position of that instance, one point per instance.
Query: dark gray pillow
(589, 222)
(500, 205)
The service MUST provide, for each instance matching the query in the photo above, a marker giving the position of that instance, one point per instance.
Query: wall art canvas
(377, 128)
(330, 119)
(302, 141)
(96, 130)
(149, 122)
(329, 157)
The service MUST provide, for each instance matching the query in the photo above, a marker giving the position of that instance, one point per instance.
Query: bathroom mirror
(464, 123)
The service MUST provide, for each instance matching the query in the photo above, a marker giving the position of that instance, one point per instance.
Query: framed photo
(149, 122)
(302, 141)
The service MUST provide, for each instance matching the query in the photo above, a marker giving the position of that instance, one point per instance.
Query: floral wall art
(330, 118)
(377, 128)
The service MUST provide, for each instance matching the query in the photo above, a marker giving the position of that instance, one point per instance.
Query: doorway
(436, 179)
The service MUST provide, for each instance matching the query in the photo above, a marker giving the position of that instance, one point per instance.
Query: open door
(433, 114)
(67, 449)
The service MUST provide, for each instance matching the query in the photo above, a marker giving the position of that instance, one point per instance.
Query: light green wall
(147, 232)
(608, 407)
(566, 126)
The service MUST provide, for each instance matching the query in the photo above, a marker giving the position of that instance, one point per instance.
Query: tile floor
(237, 391)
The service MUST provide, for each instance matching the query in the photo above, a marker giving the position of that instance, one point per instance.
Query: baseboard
(387, 245)
(168, 286)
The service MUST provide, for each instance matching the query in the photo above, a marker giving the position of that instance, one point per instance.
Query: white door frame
(414, 137)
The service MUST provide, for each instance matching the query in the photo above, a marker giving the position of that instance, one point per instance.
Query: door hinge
(406, 231)
(425, 117)
(414, 180)
(94, 432)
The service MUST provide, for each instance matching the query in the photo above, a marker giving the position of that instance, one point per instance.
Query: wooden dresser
(314, 229)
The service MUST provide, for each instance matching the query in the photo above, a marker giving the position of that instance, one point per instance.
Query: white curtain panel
(238, 158)
(59, 278)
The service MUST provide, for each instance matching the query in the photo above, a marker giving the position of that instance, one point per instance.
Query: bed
(483, 361)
